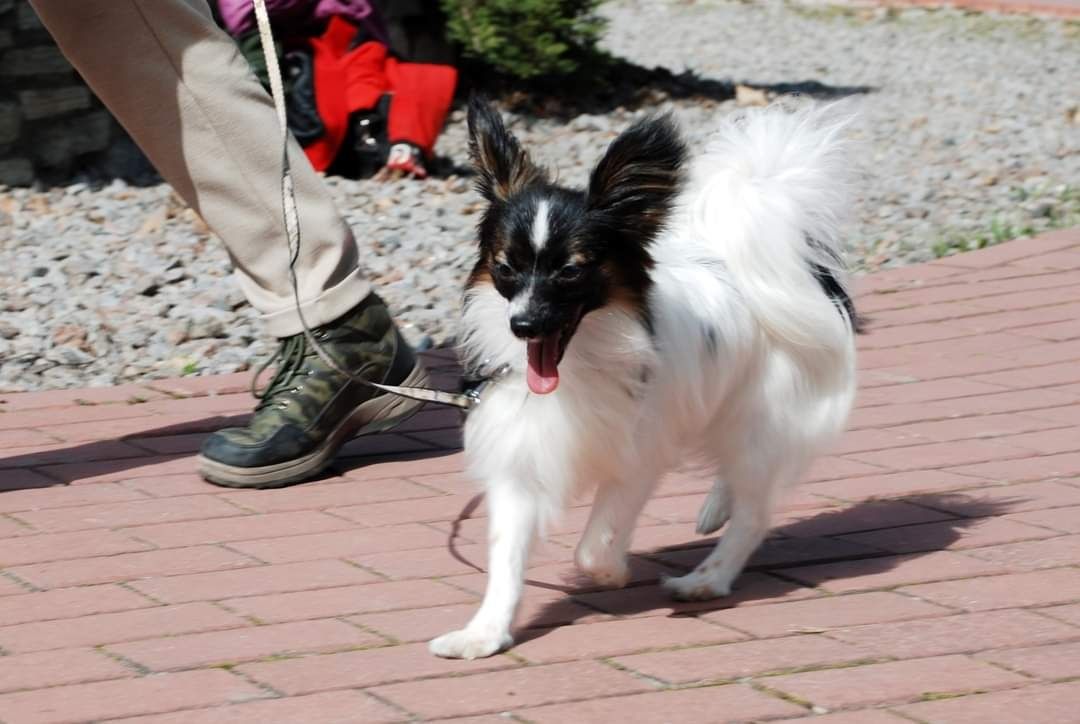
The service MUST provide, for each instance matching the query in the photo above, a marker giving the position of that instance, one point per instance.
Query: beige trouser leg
(187, 97)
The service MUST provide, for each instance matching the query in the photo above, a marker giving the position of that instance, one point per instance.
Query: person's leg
(179, 86)
(182, 90)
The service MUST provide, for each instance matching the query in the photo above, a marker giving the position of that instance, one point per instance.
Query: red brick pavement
(928, 569)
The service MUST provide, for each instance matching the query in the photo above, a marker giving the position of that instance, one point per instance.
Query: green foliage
(1059, 208)
(525, 38)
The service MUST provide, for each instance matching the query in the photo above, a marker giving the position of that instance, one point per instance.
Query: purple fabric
(238, 16)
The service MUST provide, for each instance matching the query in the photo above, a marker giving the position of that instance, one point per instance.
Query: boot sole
(379, 414)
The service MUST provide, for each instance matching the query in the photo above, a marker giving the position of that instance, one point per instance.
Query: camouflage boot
(308, 411)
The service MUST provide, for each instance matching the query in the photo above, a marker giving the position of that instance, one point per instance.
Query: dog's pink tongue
(543, 372)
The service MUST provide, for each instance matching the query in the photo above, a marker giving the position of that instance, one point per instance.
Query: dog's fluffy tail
(768, 197)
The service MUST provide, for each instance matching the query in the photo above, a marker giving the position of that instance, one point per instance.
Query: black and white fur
(696, 310)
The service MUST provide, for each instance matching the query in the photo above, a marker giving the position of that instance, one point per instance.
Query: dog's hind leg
(751, 509)
(716, 509)
(512, 516)
(601, 554)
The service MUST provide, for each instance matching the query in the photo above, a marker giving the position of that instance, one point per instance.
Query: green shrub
(525, 38)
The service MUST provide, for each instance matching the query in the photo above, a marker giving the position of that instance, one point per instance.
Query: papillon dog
(680, 310)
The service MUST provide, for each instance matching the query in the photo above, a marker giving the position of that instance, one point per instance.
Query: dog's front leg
(601, 553)
(512, 515)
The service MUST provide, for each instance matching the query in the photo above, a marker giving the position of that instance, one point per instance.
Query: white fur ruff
(748, 372)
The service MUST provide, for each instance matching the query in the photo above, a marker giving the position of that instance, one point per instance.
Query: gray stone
(10, 122)
(46, 102)
(27, 19)
(36, 61)
(16, 172)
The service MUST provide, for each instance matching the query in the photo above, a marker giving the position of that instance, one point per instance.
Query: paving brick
(107, 471)
(746, 658)
(1050, 703)
(1070, 613)
(829, 467)
(248, 527)
(106, 628)
(131, 566)
(862, 716)
(168, 486)
(1066, 415)
(64, 546)
(428, 562)
(60, 496)
(407, 466)
(892, 484)
(56, 668)
(778, 552)
(1038, 588)
(894, 681)
(1011, 401)
(418, 510)
(15, 437)
(137, 512)
(953, 534)
(612, 638)
(962, 633)
(68, 603)
(148, 695)
(245, 644)
(1047, 442)
(254, 581)
(933, 390)
(825, 613)
(875, 439)
(1025, 469)
(891, 571)
(517, 688)
(317, 496)
(9, 528)
(982, 426)
(415, 625)
(353, 669)
(44, 418)
(205, 387)
(869, 515)
(751, 589)
(737, 702)
(1055, 332)
(342, 544)
(942, 454)
(91, 397)
(1028, 555)
(332, 707)
(107, 452)
(1051, 661)
(348, 600)
(1003, 499)
(564, 576)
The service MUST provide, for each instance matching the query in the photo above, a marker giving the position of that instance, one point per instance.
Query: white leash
(464, 401)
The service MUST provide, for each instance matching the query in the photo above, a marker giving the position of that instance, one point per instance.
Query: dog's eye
(570, 273)
(503, 270)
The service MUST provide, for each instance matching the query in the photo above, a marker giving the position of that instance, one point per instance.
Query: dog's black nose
(524, 326)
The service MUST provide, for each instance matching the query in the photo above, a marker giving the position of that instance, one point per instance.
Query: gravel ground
(970, 134)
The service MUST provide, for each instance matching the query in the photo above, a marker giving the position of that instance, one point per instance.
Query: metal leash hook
(464, 401)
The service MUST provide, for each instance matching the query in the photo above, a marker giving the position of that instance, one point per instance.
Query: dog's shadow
(774, 571)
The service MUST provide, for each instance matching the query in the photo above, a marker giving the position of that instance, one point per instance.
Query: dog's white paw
(604, 567)
(469, 644)
(695, 586)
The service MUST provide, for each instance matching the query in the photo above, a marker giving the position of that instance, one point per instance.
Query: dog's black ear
(634, 184)
(502, 164)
